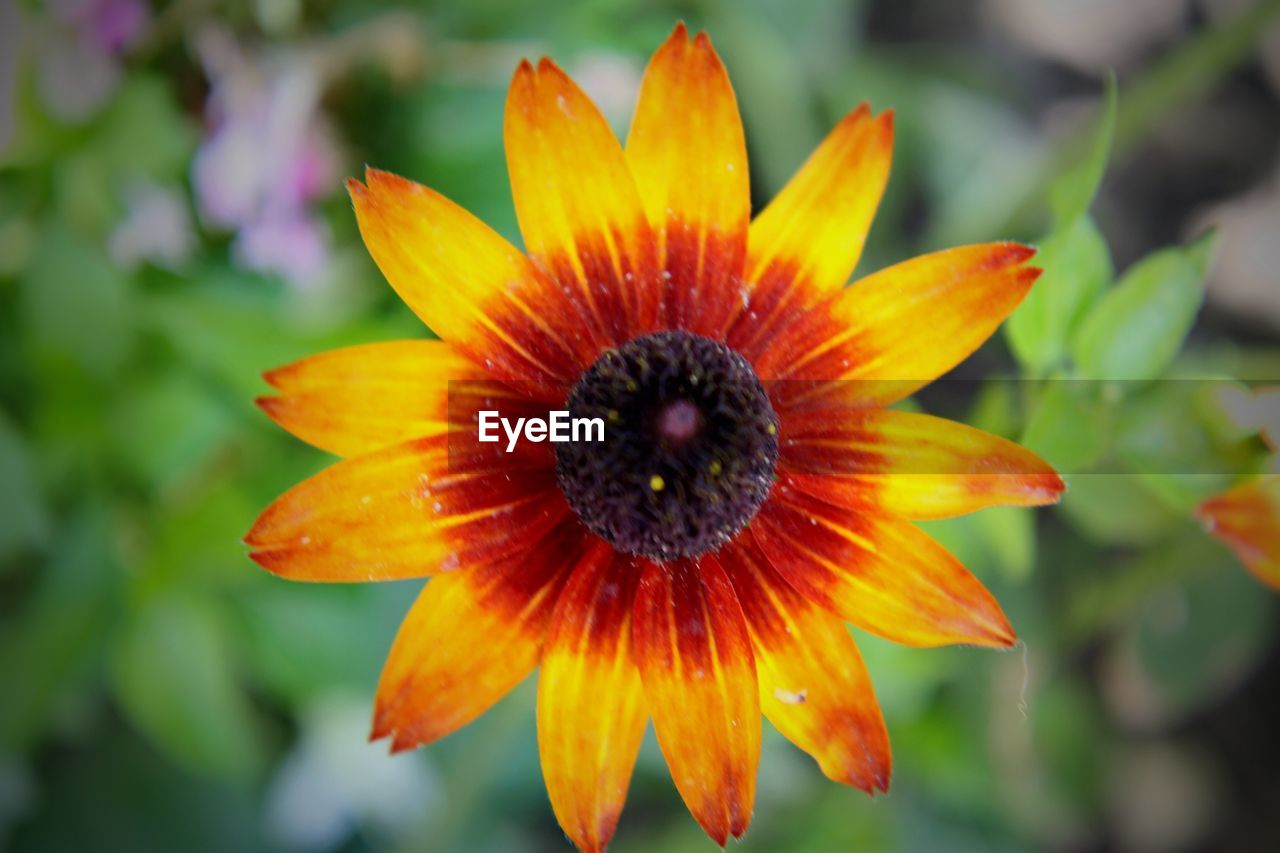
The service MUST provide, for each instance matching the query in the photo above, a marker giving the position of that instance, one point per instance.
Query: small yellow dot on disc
(657, 483)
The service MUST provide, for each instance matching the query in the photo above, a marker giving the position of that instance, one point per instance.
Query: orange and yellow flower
(697, 568)
(1247, 520)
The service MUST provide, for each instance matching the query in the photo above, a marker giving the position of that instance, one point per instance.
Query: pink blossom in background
(294, 246)
(78, 67)
(156, 228)
(269, 155)
(108, 25)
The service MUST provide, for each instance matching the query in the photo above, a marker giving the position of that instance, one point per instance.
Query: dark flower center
(690, 443)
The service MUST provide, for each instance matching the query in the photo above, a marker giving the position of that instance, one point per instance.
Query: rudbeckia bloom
(753, 492)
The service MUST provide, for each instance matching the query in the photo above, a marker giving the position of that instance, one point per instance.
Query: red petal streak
(813, 685)
(407, 511)
(699, 676)
(883, 575)
(472, 288)
(896, 330)
(689, 157)
(579, 211)
(470, 637)
(804, 246)
(912, 465)
(1247, 519)
(591, 714)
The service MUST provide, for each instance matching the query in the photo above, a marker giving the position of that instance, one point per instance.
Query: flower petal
(694, 654)
(913, 465)
(577, 204)
(813, 685)
(363, 398)
(470, 286)
(689, 157)
(804, 245)
(1247, 519)
(407, 511)
(471, 636)
(899, 329)
(591, 714)
(883, 575)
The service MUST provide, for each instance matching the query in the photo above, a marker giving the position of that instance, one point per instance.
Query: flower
(1246, 519)
(752, 495)
(155, 228)
(79, 65)
(269, 157)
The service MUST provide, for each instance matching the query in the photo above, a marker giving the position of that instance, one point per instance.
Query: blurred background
(172, 223)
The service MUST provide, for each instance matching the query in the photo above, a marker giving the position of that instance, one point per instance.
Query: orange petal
(694, 654)
(591, 714)
(579, 211)
(912, 465)
(899, 329)
(1247, 519)
(363, 398)
(883, 575)
(813, 685)
(471, 636)
(407, 511)
(472, 288)
(689, 158)
(804, 246)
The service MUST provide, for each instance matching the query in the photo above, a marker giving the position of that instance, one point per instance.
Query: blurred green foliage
(160, 692)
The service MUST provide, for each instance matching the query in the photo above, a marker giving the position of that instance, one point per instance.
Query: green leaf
(1074, 256)
(140, 135)
(1195, 644)
(1072, 192)
(1182, 493)
(1117, 509)
(1067, 426)
(304, 641)
(1010, 535)
(198, 539)
(961, 536)
(143, 132)
(75, 305)
(1067, 727)
(1077, 267)
(234, 327)
(1137, 329)
(996, 409)
(48, 645)
(1103, 600)
(1003, 536)
(1169, 436)
(119, 791)
(36, 137)
(24, 521)
(174, 678)
(166, 428)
